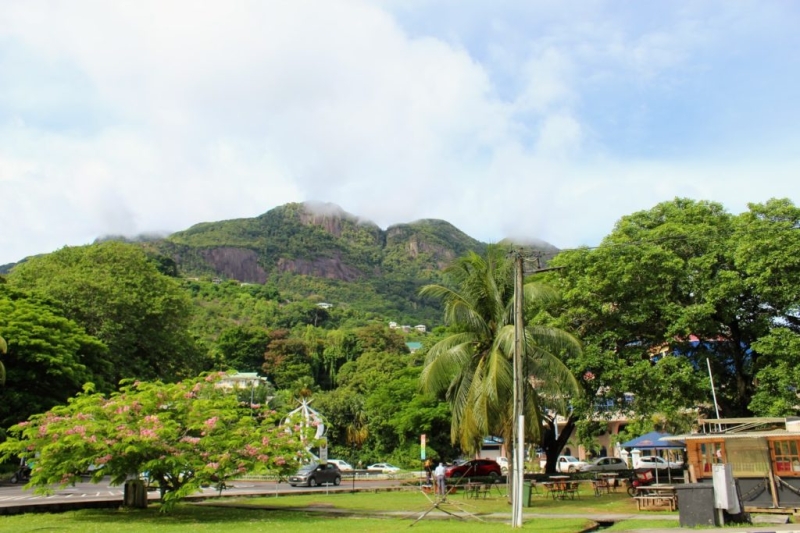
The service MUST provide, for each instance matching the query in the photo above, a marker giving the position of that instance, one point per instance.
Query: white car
(344, 466)
(653, 461)
(386, 468)
(566, 463)
(503, 462)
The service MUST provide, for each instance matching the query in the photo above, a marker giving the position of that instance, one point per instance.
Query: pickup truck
(565, 463)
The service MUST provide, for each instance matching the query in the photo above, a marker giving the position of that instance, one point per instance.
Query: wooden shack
(763, 454)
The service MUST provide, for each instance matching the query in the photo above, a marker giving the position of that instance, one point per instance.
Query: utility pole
(518, 465)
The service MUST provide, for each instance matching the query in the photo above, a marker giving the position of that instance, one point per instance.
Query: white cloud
(128, 117)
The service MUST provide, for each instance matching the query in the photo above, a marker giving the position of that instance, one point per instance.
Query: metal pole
(518, 466)
(713, 393)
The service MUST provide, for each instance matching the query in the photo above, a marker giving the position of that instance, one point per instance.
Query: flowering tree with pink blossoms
(183, 436)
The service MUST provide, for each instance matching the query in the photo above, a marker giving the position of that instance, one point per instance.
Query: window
(785, 457)
(707, 454)
(749, 457)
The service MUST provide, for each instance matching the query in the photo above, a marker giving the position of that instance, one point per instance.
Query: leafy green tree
(242, 348)
(472, 366)
(685, 278)
(48, 358)
(3, 350)
(183, 435)
(286, 359)
(118, 295)
(777, 382)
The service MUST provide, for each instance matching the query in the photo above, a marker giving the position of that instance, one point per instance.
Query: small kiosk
(764, 454)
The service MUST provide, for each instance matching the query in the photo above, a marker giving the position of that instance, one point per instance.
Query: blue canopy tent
(653, 441)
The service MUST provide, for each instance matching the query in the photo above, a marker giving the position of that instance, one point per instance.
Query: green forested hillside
(325, 254)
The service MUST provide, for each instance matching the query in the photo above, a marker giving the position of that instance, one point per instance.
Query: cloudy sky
(533, 118)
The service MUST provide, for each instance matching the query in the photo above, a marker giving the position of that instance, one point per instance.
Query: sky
(536, 119)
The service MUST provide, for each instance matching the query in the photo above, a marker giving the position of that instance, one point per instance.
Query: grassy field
(303, 513)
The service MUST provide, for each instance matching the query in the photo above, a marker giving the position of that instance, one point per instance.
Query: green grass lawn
(274, 514)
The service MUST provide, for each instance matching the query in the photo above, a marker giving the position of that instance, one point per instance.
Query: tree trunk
(135, 494)
(552, 446)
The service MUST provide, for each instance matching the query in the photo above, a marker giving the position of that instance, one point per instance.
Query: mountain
(319, 250)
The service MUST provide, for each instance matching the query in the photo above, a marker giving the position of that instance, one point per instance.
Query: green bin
(526, 494)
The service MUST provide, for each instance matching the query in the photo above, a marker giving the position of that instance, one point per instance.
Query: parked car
(475, 468)
(566, 463)
(605, 464)
(386, 468)
(344, 466)
(654, 461)
(503, 462)
(314, 474)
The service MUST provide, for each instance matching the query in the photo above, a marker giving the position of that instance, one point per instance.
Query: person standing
(428, 471)
(441, 486)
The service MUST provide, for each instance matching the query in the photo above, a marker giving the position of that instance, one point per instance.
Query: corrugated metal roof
(725, 436)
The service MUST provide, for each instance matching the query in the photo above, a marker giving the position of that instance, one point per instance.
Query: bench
(647, 501)
(600, 486)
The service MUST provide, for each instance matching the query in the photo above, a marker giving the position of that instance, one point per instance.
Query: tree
(672, 287)
(183, 435)
(242, 348)
(118, 295)
(286, 359)
(3, 350)
(472, 366)
(48, 357)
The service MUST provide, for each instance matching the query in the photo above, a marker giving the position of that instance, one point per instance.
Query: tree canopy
(119, 296)
(183, 436)
(48, 357)
(678, 284)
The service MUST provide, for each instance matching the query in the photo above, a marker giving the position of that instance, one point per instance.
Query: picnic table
(560, 487)
(476, 490)
(657, 495)
(604, 482)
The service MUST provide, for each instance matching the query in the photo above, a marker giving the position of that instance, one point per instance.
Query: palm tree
(473, 365)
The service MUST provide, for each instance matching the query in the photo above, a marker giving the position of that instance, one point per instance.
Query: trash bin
(696, 504)
(526, 494)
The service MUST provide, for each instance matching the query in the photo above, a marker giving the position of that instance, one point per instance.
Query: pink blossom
(211, 422)
(250, 450)
(103, 460)
(263, 458)
(280, 461)
(191, 440)
(147, 433)
(23, 424)
(265, 441)
(212, 466)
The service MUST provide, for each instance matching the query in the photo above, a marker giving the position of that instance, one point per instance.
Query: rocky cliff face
(328, 268)
(320, 240)
(235, 263)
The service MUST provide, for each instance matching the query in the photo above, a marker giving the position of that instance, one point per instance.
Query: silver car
(315, 474)
(605, 464)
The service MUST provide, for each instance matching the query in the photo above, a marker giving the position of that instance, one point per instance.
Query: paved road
(15, 495)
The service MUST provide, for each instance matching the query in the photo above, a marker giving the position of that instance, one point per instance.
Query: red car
(475, 468)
